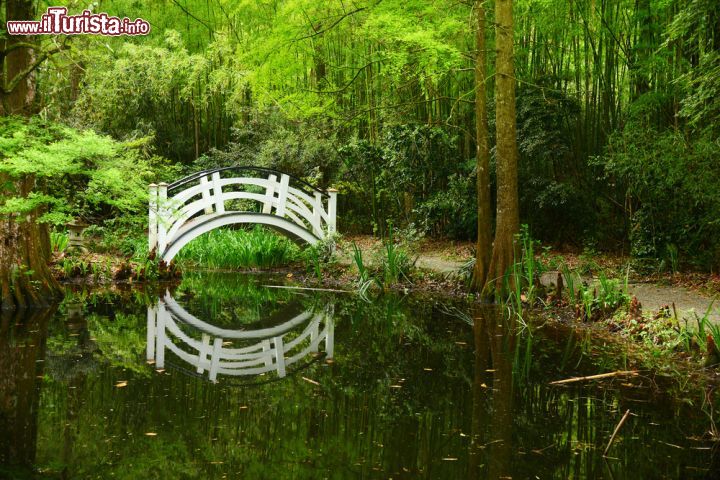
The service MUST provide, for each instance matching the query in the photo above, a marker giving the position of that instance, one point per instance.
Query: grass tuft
(239, 249)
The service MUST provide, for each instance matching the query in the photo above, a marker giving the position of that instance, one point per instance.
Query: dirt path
(687, 302)
(437, 263)
(441, 259)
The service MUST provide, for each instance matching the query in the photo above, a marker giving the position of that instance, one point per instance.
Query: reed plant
(396, 262)
(239, 249)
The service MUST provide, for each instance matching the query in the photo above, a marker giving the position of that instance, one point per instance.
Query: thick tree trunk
(21, 99)
(25, 279)
(508, 217)
(484, 222)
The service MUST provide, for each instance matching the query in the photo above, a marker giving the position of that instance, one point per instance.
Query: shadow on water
(223, 377)
(22, 353)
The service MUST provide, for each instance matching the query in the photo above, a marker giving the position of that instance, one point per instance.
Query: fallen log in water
(619, 373)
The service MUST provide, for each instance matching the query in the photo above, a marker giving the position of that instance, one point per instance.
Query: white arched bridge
(236, 352)
(184, 210)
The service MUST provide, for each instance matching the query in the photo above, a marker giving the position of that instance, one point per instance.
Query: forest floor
(690, 293)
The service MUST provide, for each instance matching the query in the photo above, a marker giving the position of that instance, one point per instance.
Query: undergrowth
(239, 249)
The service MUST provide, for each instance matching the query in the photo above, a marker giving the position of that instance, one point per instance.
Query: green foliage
(410, 177)
(553, 197)
(58, 241)
(363, 272)
(141, 89)
(523, 278)
(672, 183)
(122, 341)
(304, 152)
(395, 263)
(78, 173)
(239, 249)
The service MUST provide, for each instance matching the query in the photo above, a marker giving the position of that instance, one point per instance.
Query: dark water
(124, 384)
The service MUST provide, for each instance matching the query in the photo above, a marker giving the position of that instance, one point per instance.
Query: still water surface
(223, 377)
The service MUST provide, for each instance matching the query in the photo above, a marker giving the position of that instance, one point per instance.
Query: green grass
(239, 249)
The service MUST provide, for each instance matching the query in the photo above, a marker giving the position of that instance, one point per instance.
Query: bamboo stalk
(308, 288)
(619, 373)
(615, 432)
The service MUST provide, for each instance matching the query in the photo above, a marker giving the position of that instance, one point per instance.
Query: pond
(224, 376)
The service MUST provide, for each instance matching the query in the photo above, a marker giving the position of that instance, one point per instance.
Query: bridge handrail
(267, 171)
(304, 213)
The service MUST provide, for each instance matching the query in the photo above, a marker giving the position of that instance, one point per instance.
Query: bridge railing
(238, 189)
(272, 351)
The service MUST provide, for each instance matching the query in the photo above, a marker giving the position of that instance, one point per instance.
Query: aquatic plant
(395, 263)
(523, 277)
(313, 261)
(239, 249)
(569, 280)
(357, 256)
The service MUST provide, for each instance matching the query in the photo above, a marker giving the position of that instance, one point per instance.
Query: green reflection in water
(411, 392)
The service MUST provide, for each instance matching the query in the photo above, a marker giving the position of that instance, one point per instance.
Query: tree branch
(12, 85)
(187, 12)
(342, 89)
(345, 15)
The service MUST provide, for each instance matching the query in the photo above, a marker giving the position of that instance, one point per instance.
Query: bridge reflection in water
(221, 351)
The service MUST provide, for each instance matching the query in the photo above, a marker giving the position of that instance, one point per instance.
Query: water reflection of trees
(492, 413)
(22, 355)
(522, 427)
(406, 390)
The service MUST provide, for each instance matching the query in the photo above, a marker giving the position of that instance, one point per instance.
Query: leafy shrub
(78, 173)
(554, 199)
(671, 183)
(402, 179)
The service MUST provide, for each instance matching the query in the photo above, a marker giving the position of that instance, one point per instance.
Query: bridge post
(269, 194)
(162, 217)
(217, 193)
(329, 338)
(151, 316)
(160, 335)
(317, 217)
(332, 210)
(279, 356)
(215, 360)
(282, 195)
(152, 218)
(206, 194)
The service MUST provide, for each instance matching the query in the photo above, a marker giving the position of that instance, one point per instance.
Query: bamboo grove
(616, 109)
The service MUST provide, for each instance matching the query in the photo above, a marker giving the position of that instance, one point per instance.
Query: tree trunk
(484, 222)
(507, 218)
(21, 99)
(25, 279)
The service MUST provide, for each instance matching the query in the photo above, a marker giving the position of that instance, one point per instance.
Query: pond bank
(438, 271)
